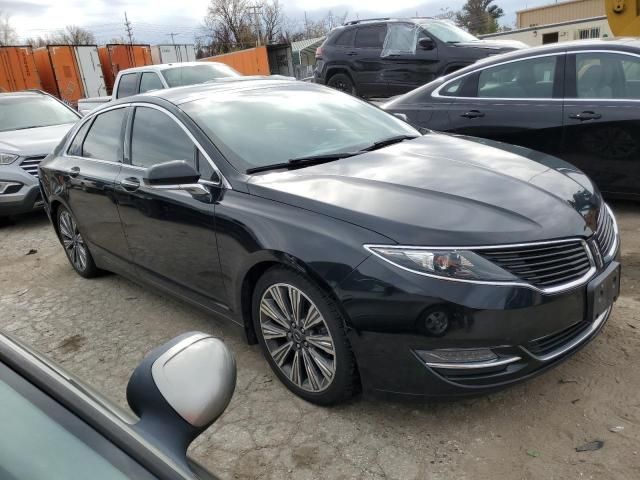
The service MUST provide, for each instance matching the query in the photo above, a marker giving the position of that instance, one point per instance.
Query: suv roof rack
(381, 19)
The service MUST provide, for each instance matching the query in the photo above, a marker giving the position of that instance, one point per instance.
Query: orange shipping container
(17, 69)
(115, 57)
(70, 72)
(253, 61)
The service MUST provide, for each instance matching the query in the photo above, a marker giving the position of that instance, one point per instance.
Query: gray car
(32, 123)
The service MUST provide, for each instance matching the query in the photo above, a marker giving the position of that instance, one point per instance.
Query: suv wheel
(342, 82)
(302, 336)
(74, 245)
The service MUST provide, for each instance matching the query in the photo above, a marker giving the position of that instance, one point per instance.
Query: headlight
(453, 264)
(7, 158)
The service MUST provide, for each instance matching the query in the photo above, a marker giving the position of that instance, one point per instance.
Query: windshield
(267, 126)
(32, 111)
(194, 74)
(448, 32)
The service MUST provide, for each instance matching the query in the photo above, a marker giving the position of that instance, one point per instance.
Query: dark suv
(385, 57)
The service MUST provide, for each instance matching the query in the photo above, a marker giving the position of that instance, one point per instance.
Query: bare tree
(8, 35)
(75, 35)
(272, 17)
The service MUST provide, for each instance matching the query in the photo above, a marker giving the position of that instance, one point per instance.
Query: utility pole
(255, 9)
(172, 35)
(306, 25)
(128, 28)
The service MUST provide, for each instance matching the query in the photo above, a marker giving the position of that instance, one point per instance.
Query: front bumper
(528, 331)
(27, 199)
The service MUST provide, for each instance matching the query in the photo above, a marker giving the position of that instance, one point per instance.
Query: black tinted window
(345, 39)
(371, 37)
(128, 85)
(602, 75)
(104, 139)
(76, 146)
(523, 79)
(452, 89)
(157, 138)
(150, 81)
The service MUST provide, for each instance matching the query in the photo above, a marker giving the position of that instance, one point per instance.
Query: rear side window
(371, 37)
(157, 138)
(76, 146)
(607, 76)
(453, 89)
(345, 39)
(150, 81)
(128, 85)
(531, 78)
(104, 140)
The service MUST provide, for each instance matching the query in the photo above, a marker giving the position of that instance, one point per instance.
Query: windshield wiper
(388, 141)
(303, 161)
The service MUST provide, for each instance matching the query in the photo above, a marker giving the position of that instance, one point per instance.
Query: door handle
(588, 115)
(351, 54)
(130, 184)
(74, 172)
(473, 114)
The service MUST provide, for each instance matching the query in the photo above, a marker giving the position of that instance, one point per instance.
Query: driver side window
(533, 78)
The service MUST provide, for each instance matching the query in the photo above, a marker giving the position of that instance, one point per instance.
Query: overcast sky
(153, 19)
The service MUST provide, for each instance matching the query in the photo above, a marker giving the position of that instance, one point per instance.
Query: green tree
(479, 16)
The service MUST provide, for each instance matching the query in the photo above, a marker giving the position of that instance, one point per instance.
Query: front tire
(301, 332)
(74, 245)
(343, 83)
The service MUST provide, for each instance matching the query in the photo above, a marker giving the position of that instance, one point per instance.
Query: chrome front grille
(30, 164)
(545, 265)
(606, 232)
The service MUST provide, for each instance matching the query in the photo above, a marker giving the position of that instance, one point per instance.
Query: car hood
(33, 141)
(445, 190)
(501, 45)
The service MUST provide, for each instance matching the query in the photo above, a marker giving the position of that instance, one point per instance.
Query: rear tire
(343, 83)
(302, 336)
(74, 245)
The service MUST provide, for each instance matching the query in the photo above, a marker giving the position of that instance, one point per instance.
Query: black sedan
(54, 427)
(577, 100)
(356, 251)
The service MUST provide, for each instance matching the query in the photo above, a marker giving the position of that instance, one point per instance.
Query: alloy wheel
(73, 242)
(297, 337)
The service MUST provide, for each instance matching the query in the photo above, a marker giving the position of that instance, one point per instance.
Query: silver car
(32, 123)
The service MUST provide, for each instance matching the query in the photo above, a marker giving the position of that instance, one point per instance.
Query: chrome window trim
(436, 92)
(550, 290)
(576, 341)
(223, 181)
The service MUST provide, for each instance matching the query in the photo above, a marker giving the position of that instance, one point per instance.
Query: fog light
(9, 187)
(456, 356)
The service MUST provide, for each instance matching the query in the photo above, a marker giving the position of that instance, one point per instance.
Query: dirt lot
(100, 329)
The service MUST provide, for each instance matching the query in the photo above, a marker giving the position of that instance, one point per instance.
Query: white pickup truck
(156, 77)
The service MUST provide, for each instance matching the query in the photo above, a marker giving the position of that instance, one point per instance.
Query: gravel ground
(100, 329)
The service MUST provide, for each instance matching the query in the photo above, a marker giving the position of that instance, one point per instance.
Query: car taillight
(318, 52)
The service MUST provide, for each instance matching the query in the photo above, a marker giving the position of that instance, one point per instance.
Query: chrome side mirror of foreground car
(180, 389)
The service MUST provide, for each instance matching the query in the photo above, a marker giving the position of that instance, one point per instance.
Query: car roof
(164, 66)
(23, 93)
(180, 95)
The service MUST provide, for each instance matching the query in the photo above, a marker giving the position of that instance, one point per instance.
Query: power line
(172, 35)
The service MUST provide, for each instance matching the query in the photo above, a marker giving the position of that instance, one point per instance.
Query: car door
(517, 102)
(407, 64)
(367, 65)
(602, 118)
(171, 232)
(92, 163)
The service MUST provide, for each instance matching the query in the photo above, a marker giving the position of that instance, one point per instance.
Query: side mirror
(426, 43)
(175, 172)
(180, 389)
